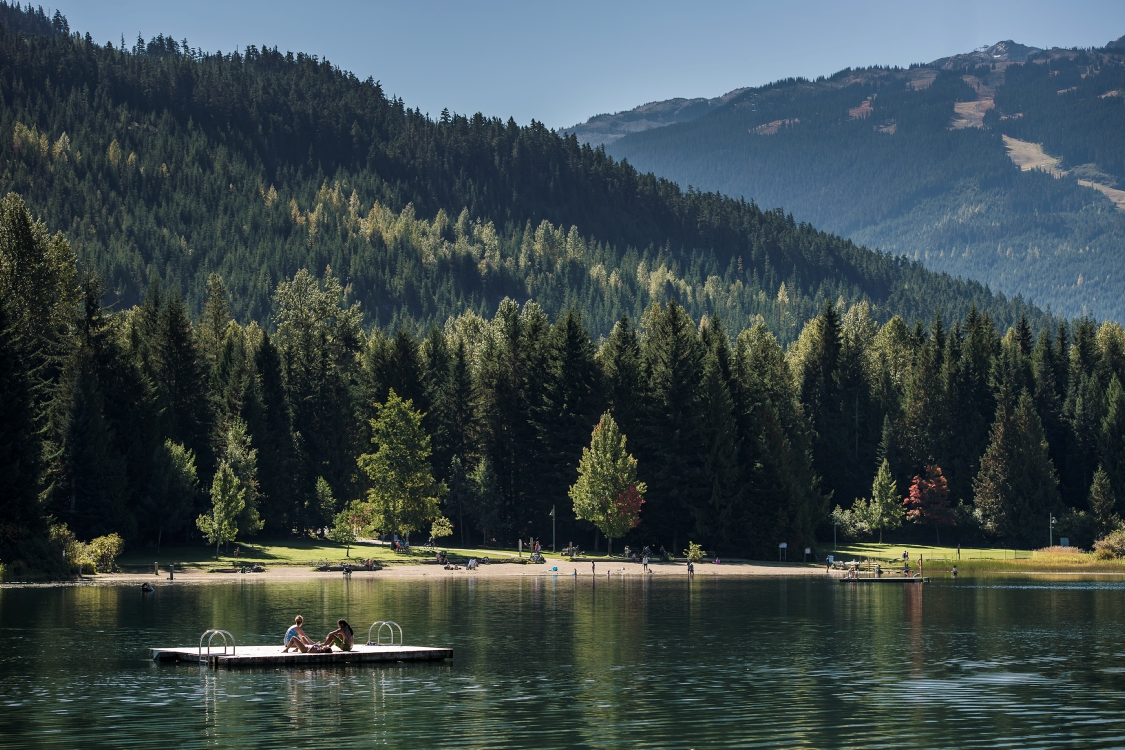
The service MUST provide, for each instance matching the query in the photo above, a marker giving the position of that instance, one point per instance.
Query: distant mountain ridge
(606, 128)
(1005, 164)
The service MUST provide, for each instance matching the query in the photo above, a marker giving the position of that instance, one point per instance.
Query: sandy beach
(580, 569)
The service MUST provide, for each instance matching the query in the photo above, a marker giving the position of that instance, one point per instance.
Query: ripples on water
(563, 663)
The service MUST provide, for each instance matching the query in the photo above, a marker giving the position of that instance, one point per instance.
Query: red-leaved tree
(928, 501)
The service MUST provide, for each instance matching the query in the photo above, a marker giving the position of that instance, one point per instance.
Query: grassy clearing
(307, 553)
(985, 560)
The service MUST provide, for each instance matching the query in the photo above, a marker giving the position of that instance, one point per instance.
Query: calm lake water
(549, 663)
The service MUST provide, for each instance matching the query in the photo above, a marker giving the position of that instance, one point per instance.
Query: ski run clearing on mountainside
(1028, 156)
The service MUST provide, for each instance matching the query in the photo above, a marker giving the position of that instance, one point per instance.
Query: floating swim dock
(271, 656)
(231, 655)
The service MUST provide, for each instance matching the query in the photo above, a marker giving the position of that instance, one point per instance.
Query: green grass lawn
(302, 552)
(984, 559)
(878, 551)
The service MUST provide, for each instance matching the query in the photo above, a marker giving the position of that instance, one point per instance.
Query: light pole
(1051, 531)
(552, 528)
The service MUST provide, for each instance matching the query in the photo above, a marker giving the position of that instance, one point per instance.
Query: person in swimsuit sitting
(342, 637)
(295, 636)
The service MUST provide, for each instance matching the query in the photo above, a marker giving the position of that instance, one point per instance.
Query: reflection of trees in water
(912, 611)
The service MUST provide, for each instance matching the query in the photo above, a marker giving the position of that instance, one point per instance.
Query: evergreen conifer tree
(20, 447)
(438, 373)
(623, 366)
(1087, 410)
(270, 430)
(573, 399)
(1048, 402)
(724, 498)
(1103, 502)
(1111, 443)
(1016, 487)
(181, 383)
(674, 444)
(171, 497)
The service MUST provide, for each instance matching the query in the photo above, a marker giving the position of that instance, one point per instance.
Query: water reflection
(565, 661)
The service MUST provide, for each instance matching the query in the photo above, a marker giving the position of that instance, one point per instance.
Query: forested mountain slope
(161, 162)
(495, 292)
(920, 162)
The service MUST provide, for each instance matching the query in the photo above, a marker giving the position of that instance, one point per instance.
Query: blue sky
(560, 63)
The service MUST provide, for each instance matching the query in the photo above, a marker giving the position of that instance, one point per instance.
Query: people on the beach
(954, 571)
(342, 637)
(295, 636)
(690, 568)
(644, 564)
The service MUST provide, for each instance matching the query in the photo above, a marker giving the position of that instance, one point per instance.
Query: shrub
(853, 522)
(102, 552)
(1111, 546)
(694, 552)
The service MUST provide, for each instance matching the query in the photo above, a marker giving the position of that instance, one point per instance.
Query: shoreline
(577, 570)
(432, 571)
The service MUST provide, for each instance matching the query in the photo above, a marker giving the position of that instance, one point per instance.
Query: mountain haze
(1005, 165)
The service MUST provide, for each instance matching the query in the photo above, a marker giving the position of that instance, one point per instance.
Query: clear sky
(562, 62)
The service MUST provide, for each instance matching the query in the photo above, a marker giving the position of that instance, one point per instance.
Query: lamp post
(1051, 531)
(552, 528)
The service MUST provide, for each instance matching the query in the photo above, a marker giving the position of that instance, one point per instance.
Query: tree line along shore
(140, 421)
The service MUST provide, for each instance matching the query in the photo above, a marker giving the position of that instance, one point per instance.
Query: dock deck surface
(268, 656)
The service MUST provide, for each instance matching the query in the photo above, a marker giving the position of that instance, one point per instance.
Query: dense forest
(884, 157)
(248, 277)
(140, 421)
(162, 162)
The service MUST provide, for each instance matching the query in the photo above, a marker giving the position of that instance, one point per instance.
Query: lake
(563, 663)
